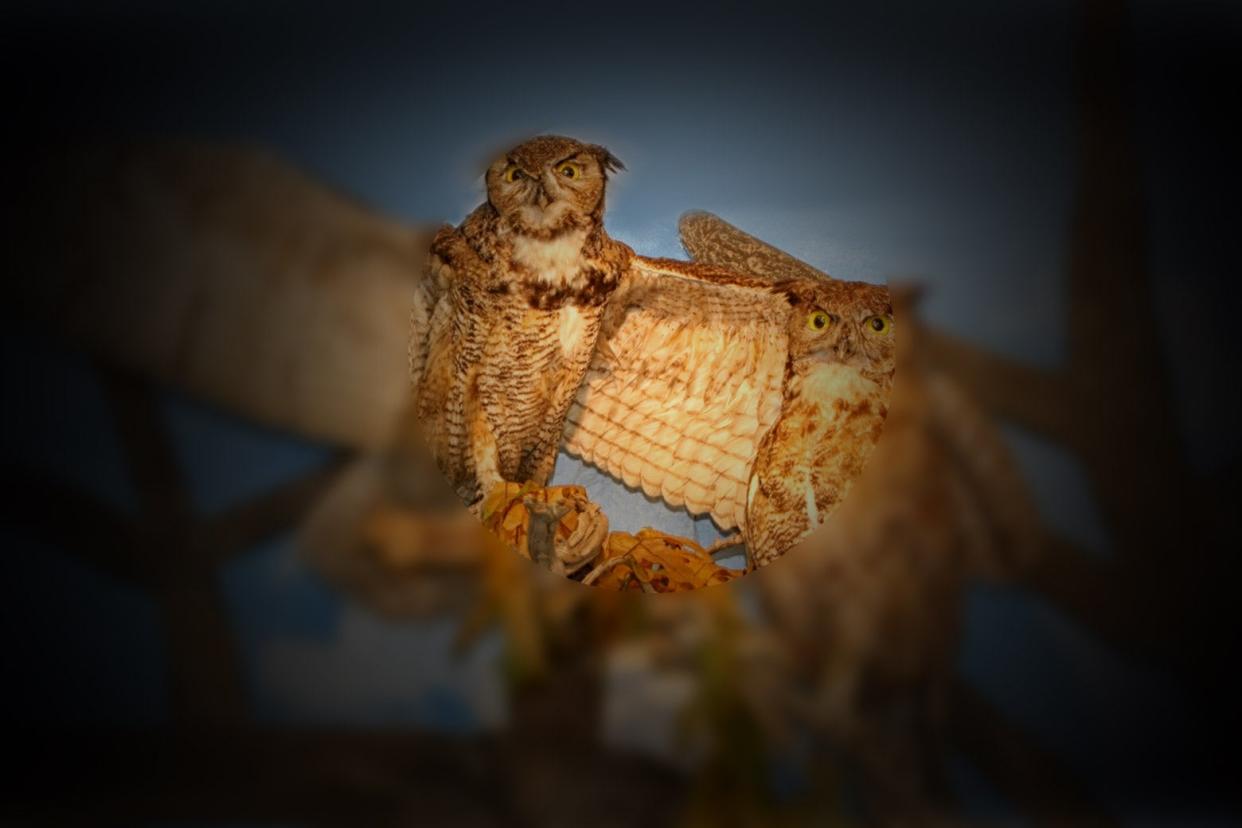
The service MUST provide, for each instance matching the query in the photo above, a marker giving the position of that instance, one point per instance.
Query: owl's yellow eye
(818, 321)
(514, 174)
(882, 325)
(568, 170)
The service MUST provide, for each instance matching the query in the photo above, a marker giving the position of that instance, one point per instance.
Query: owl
(504, 329)
(834, 401)
(752, 401)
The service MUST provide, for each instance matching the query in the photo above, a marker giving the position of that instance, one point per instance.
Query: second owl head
(849, 322)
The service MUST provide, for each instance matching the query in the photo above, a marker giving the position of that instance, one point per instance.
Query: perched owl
(708, 387)
(834, 402)
(503, 331)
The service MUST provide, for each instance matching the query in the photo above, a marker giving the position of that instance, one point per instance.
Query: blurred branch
(1023, 394)
(272, 512)
(204, 665)
(152, 461)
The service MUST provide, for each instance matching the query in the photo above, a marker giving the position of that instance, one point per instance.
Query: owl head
(551, 184)
(845, 322)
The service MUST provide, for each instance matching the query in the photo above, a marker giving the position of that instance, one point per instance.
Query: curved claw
(586, 542)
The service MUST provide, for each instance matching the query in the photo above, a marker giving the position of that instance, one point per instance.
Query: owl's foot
(559, 528)
(585, 541)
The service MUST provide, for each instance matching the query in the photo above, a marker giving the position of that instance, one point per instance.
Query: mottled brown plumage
(709, 239)
(834, 403)
(503, 331)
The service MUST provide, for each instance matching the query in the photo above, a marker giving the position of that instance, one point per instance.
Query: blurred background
(215, 212)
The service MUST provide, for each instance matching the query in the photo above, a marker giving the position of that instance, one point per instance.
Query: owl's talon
(586, 541)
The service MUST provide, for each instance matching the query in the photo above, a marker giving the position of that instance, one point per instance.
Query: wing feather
(709, 238)
(685, 384)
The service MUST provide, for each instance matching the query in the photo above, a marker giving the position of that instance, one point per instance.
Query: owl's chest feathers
(813, 447)
(576, 332)
(822, 401)
(544, 341)
(565, 270)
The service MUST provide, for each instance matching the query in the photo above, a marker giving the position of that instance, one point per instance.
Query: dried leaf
(653, 561)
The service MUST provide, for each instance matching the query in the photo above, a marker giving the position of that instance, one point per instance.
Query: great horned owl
(707, 386)
(503, 332)
(835, 400)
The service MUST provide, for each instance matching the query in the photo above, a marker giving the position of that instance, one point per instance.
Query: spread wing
(685, 381)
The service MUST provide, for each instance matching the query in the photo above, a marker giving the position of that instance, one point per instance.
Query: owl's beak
(542, 199)
(845, 346)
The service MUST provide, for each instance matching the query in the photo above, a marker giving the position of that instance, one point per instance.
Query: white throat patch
(553, 262)
(827, 383)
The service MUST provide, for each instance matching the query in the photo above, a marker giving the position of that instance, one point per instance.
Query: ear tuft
(608, 162)
(792, 293)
